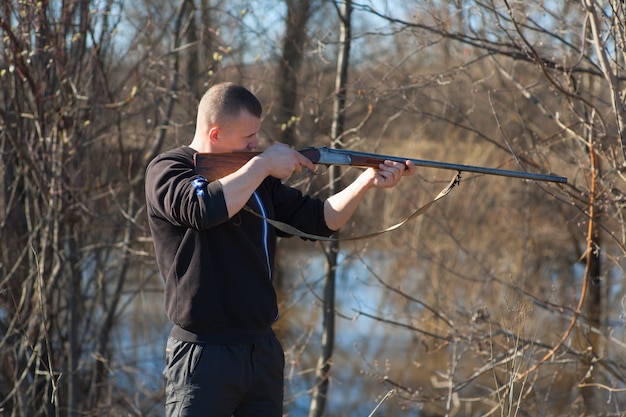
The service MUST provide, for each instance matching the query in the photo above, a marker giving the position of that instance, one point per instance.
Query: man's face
(237, 134)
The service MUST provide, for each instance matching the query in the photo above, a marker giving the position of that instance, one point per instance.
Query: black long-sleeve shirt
(218, 271)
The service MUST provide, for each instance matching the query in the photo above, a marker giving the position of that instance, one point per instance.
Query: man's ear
(214, 134)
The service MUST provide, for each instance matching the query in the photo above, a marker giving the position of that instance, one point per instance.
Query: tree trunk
(320, 391)
(298, 14)
(593, 310)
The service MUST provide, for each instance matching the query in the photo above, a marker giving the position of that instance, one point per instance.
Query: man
(217, 260)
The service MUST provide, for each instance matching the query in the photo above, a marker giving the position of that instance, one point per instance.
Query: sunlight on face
(238, 134)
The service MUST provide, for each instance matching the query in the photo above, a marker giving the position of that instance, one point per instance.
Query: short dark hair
(226, 100)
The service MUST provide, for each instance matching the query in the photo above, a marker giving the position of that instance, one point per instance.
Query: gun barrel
(338, 156)
(491, 171)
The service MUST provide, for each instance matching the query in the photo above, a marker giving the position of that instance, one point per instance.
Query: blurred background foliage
(505, 298)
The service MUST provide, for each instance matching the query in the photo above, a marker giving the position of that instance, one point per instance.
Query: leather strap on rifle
(286, 228)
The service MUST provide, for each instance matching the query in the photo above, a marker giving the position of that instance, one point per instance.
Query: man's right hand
(281, 161)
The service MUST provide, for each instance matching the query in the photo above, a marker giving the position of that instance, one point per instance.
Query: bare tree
(71, 193)
(294, 42)
(569, 122)
(324, 363)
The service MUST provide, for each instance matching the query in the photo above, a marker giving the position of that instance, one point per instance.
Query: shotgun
(217, 165)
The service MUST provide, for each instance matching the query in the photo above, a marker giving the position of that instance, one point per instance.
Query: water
(365, 349)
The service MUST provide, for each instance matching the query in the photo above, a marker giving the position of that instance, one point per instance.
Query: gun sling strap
(284, 227)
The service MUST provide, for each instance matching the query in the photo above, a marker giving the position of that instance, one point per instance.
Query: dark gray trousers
(224, 380)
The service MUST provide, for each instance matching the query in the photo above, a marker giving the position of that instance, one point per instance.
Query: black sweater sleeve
(176, 194)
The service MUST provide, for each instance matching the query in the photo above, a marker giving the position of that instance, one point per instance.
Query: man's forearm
(239, 186)
(340, 207)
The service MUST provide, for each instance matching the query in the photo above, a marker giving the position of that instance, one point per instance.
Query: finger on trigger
(306, 162)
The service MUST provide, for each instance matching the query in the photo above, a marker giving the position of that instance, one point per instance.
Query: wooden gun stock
(214, 166)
